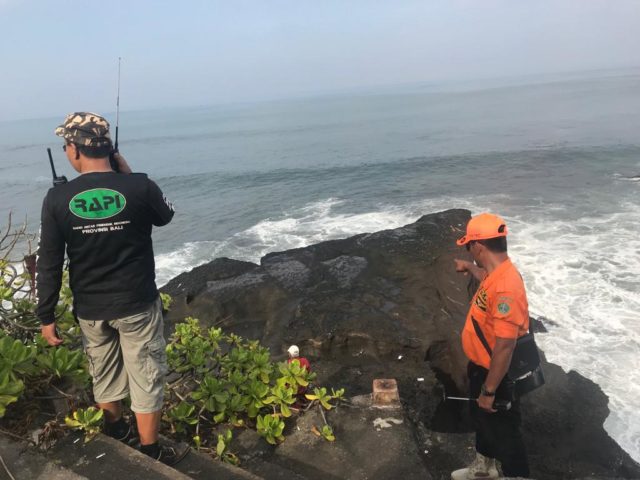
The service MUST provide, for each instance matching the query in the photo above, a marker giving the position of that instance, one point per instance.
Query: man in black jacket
(104, 219)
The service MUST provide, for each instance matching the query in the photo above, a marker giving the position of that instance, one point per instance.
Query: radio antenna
(115, 146)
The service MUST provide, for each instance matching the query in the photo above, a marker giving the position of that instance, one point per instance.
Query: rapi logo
(97, 203)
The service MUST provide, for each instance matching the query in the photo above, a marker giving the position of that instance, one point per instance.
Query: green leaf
(15, 356)
(327, 433)
(337, 394)
(166, 301)
(220, 448)
(72, 423)
(10, 391)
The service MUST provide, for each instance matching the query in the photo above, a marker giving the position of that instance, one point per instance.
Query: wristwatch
(485, 392)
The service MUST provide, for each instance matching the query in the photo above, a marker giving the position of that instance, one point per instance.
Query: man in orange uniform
(498, 315)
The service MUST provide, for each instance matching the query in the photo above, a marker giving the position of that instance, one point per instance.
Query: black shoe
(172, 455)
(125, 434)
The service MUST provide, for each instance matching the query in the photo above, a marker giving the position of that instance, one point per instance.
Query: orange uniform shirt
(500, 307)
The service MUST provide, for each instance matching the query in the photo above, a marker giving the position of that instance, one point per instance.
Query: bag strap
(483, 339)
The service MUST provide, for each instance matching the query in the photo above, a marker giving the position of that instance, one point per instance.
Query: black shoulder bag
(525, 369)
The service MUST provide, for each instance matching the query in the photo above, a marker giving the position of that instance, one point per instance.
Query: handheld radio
(56, 179)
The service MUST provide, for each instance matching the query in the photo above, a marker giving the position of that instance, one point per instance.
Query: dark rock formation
(389, 304)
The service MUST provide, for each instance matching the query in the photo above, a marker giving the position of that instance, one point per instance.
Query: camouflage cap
(85, 128)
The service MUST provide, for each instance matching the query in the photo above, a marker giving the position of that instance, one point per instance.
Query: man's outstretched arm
(464, 266)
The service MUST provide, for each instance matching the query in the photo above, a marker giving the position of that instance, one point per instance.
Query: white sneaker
(481, 468)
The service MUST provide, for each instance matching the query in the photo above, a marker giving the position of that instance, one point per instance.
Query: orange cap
(483, 226)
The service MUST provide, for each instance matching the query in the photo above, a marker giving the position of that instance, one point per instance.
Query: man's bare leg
(112, 410)
(148, 427)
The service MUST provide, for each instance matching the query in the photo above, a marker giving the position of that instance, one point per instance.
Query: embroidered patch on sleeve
(504, 308)
(481, 300)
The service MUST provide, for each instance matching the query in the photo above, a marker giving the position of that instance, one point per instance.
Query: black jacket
(105, 221)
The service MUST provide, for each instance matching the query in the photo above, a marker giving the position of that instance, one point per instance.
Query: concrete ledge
(106, 458)
(200, 466)
(24, 462)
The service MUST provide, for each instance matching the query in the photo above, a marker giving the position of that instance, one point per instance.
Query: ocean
(557, 156)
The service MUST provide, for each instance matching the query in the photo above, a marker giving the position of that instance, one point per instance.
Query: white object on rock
(380, 423)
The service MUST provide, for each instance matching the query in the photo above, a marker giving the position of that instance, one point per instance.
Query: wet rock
(346, 269)
(241, 281)
(291, 274)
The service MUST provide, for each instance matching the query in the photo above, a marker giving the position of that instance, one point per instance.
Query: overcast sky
(58, 56)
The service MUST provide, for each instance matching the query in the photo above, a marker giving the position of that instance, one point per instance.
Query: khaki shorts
(127, 357)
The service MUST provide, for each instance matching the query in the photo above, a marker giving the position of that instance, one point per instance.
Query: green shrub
(10, 391)
(222, 448)
(166, 300)
(88, 420)
(270, 427)
(228, 379)
(281, 397)
(16, 358)
(181, 415)
(62, 362)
